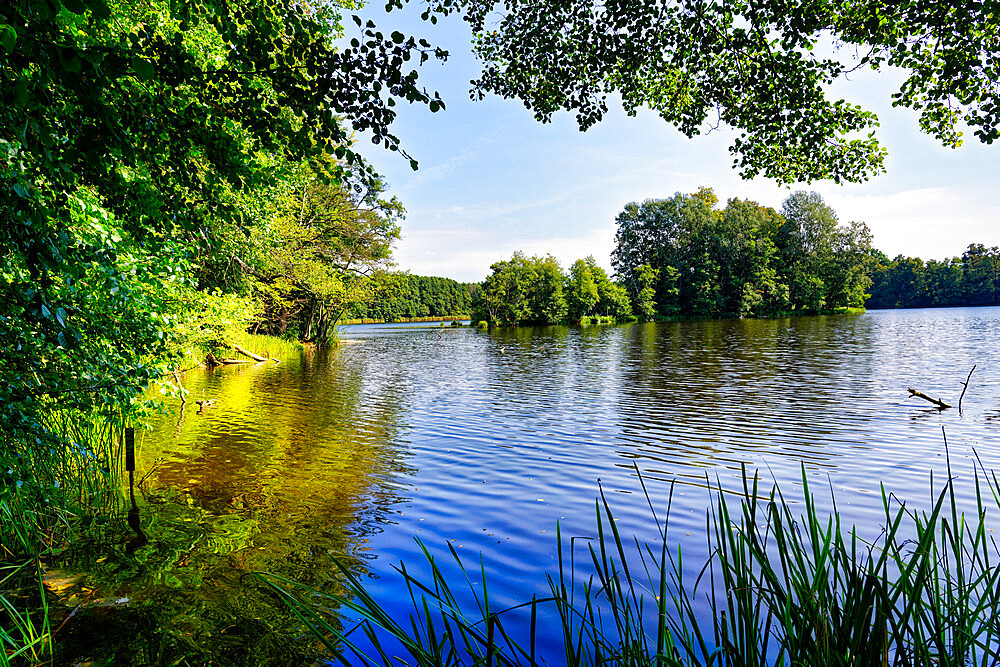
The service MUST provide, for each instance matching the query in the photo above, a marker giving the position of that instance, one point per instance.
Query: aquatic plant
(53, 489)
(782, 588)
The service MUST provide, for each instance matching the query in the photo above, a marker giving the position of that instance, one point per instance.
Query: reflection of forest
(302, 445)
(286, 471)
(731, 391)
(681, 397)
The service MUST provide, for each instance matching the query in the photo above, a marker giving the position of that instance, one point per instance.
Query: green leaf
(8, 36)
(74, 6)
(100, 8)
(143, 68)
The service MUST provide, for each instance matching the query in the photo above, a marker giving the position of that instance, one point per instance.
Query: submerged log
(236, 361)
(936, 401)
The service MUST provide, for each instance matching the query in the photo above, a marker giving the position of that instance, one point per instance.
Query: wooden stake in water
(133, 514)
(130, 449)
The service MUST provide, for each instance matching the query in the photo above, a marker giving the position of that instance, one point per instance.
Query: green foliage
(782, 589)
(24, 636)
(644, 280)
(546, 297)
(745, 260)
(133, 138)
(508, 295)
(399, 296)
(581, 291)
(312, 256)
(908, 282)
(766, 69)
(536, 290)
(589, 291)
(140, 146)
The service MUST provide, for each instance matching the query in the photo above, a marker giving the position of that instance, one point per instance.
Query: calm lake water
(485, 440)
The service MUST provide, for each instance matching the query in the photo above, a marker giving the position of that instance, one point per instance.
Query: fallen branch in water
(936, 401)
(255, 357)
(965, 385)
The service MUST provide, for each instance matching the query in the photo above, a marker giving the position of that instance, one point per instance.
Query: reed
(783, 587)
(55, 488)
(271, 345)
(24, 636)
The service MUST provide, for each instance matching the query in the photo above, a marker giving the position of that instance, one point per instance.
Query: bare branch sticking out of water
(936, 401)
(965, 386)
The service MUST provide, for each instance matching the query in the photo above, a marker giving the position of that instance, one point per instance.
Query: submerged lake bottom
(485, 443)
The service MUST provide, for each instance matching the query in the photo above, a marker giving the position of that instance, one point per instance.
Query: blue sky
(492, 180)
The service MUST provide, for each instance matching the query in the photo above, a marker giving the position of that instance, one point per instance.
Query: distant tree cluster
(683, 256)
(536, 290)
(399, 296)
(908, 282)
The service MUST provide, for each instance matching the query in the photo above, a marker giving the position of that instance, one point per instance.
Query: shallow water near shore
(485, 440)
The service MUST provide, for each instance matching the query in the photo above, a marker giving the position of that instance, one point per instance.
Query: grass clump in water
(779, 588)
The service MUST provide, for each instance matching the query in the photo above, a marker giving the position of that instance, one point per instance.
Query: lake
(485, 440)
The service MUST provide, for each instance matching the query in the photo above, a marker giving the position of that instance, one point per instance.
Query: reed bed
(781, 587)
(55, 488)
(266, 345)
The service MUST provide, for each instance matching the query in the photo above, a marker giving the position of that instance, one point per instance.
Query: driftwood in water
(211, 361)
(936, 401)
(236, 361)
(245, 353)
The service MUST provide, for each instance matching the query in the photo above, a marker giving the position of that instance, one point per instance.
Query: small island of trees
(684, 257)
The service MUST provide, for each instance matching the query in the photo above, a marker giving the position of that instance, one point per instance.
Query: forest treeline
(399, 296)
(684, 256)
(909, 282)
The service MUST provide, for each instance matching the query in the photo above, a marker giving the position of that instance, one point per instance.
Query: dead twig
(965, 385)
(936, 401)
(66, 620)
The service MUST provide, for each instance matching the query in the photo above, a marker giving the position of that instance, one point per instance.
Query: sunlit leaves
(131, 139)
(683, 256)
(762, 68)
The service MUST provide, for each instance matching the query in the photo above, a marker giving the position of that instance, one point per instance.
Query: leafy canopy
(762, 67)
(133, 137)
